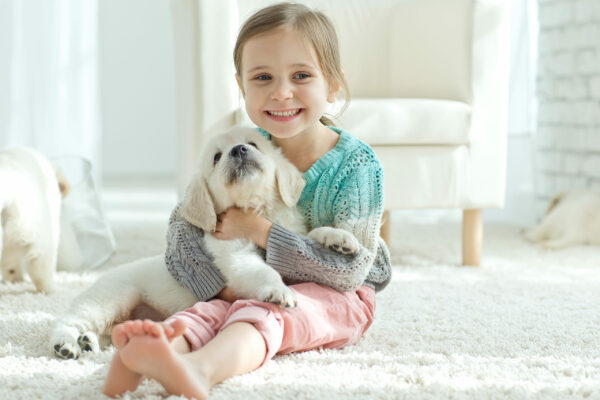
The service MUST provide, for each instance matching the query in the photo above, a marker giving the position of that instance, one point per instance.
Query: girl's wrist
(260, 235)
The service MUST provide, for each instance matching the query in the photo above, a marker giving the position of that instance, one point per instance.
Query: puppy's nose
(239, 151)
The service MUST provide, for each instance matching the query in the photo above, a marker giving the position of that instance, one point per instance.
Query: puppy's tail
(63, 184)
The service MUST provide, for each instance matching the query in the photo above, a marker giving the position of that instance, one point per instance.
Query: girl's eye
(217, 158)
(301, 75)
(253, 144)
(263, 78)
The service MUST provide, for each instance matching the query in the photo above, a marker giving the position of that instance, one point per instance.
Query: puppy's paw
(281, 295)
(88, 341)
(534, 235)
(67, 351)
(335, 239)
(64, 343)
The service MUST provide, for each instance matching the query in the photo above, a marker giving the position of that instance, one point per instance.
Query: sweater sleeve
(188, 260)
(358, 207)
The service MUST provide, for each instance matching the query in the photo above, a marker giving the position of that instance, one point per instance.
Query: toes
(157, 330)
(290, 304)
(179, 327)
(137, 327)
(88, 341)
(343, 249)
(119, 336)
(67, 354)
(284, 300)
(278, 294)
(66, 351)
(147, 325)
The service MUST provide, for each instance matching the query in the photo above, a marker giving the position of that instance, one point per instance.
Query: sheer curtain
(523, 65)
(49, 95)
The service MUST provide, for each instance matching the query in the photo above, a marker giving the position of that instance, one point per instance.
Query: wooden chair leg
(472, 234)
(384, 230)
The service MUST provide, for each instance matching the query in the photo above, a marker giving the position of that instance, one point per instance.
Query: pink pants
(323, 317)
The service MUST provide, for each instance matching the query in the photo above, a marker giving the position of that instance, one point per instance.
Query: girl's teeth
(284, 114)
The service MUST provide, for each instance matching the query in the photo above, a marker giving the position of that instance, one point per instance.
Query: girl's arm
(188, 261)
(300, 259)
(322, 265)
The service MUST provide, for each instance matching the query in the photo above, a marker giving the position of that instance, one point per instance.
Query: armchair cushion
(386, 121)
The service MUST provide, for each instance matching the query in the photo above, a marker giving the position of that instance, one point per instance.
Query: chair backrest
(399, 48)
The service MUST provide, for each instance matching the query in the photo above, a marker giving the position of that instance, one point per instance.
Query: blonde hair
(313, 25)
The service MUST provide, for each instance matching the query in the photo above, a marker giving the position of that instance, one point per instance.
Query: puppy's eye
(253, 144)
(217, 158)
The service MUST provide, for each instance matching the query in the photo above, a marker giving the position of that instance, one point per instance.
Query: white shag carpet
(525, 325)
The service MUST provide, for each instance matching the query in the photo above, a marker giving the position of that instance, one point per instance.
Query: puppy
(573, 218)
(244, 170)
(30, 201)
(240, 168)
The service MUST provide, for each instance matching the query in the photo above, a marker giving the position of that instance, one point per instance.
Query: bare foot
(121, 379)
(122, 333)
(153, 356)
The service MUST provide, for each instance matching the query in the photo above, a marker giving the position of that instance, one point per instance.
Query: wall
(137, 88)
(568, 82)
(138, 106)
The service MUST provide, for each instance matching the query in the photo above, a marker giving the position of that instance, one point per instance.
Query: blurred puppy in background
(30, 201)
(573, 218)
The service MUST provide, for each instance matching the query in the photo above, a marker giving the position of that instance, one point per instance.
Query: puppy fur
(573, 218)
(244, 170)
(239, 168)
(30, 213)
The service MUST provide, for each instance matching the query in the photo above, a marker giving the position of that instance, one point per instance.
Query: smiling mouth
(284, 115)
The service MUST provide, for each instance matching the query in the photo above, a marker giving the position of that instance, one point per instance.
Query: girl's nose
(282, 91)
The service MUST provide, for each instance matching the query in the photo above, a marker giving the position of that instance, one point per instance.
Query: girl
(288, 70)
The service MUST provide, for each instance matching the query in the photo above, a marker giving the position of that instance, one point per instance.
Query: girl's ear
(334, 89)
(198, 208)
(240, 85)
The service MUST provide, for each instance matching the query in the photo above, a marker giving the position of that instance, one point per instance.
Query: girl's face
(282, 83)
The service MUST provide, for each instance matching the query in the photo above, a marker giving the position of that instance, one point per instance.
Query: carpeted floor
(526, 325)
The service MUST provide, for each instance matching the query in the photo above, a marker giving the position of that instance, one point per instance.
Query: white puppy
(239, 168)
(572, 218)
(30, 202)
(244, 170)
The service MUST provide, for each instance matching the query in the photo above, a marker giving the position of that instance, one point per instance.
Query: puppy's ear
(554, 202)
(290, 182)
(198, 208)
(63, 184)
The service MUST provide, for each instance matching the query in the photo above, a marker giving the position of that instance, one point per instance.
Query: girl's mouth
(284, 115)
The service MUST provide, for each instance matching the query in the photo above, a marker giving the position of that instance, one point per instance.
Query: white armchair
(429, 87)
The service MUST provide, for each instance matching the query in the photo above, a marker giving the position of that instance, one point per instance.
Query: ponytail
(326, 121)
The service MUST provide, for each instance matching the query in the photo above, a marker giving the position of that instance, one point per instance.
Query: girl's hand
(235, 223)
(227, 295)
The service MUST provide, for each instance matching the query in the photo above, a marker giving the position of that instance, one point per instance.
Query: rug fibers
(525, 325)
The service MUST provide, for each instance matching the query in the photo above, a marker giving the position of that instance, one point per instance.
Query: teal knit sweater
(344, 189)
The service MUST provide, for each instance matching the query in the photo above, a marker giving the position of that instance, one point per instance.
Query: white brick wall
(568, 91)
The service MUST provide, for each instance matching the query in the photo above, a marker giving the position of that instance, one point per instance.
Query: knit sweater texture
(344, 189)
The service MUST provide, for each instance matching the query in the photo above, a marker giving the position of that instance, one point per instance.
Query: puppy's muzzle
(242, 163)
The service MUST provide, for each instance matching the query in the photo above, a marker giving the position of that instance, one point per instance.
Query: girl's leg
(237, 349)
(204, 319)
(253, 333)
